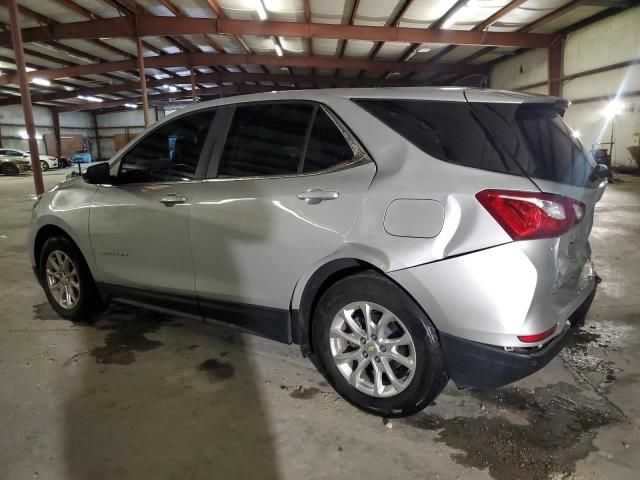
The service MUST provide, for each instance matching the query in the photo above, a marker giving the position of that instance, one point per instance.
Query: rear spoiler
(483, 95)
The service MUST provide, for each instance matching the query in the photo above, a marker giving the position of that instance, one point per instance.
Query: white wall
(12, 125)
(131, 121)
(612, 40)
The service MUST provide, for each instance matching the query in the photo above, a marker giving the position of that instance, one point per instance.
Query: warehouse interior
(146, 394)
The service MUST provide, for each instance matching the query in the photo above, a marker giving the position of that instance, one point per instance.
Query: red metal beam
(26, 97)
(143, 82)
(482, 26)
(554, 70)
(219, 77)
(199, 59)
(149, 25)
(225, 90)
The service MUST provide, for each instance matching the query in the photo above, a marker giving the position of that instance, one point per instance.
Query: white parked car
(46, 161)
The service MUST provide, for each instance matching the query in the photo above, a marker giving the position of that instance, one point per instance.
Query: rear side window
(169, 153)
(520, 139)
(445, 130)
(265, 139)
(327, 146)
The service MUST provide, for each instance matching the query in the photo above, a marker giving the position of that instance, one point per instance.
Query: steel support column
(16, 38)
(193, 85)
(555, 54)
(56, 131)
(143, 82)
(94, 119)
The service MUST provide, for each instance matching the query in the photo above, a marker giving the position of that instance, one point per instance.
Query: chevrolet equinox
(400, 236)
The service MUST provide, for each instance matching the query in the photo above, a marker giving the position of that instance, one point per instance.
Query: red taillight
(531, 215)
(538, 337)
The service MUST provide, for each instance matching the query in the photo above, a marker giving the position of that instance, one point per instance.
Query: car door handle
(313, 196)
(173, 199)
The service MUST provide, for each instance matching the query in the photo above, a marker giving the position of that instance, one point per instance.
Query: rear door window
(266, 139)
(327, 146)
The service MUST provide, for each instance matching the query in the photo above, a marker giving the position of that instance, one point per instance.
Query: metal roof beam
(199, 59)
(149, 25)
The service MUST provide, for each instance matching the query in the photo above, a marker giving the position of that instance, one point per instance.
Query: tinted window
(265, 139)
(327, 146)
(445, 130)
(521, 139)
(169, 153)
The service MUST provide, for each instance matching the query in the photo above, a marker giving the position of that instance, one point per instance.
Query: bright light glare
(170, 88)
(576, 134)
(90, 98)
(41, 81)
(262, 12)
(25, 136)
(278, 48)
(613, 109)
(449, 22)
(131, 105)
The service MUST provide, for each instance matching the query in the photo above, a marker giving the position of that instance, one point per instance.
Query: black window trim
(360, 155)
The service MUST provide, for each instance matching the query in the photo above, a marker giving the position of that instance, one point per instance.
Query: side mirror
(97, 174)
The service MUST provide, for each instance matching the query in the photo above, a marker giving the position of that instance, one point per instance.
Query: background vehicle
(81, 157)
(11, 165)
(401, 236)
(46, 161)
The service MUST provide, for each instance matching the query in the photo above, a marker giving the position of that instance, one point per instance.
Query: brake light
(531, 215)
(538, 337)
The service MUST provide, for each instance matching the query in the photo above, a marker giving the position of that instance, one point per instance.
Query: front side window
(169, 153)
(265, 139)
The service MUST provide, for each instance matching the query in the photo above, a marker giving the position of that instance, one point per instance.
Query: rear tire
(9, 169)
(67, 281)
(393, 369)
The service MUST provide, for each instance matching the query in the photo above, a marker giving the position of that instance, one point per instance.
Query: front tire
(9, 169)
(44, 165)
(67, 281)
(376, 347)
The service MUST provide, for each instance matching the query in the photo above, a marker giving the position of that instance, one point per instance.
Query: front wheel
(67, 281)
(44, 165)
(9, 169)
(376, 346)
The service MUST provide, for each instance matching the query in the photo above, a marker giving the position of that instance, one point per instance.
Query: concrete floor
(141, 395)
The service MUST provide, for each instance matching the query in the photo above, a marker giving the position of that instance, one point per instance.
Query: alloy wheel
(372, 349)
(63, 280)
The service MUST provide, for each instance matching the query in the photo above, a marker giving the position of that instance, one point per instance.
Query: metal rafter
(530, 27)
(218, 77)
(149, 25)
(80, 10)
(199, 59)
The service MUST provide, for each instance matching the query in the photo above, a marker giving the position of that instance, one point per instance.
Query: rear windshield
(519, 139)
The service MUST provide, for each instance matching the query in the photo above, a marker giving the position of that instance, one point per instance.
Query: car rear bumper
(494, 296)
(473, 364)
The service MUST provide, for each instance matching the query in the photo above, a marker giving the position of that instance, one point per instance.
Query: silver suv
(400, 236)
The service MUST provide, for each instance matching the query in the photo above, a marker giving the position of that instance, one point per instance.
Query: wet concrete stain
(583, 344)
(128, 327)
(302, 393)
(44, 311)
(558, 429)
(217, 370)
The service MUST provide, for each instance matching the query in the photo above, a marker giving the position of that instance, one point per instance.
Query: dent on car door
(139, 225)
(284, 193)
